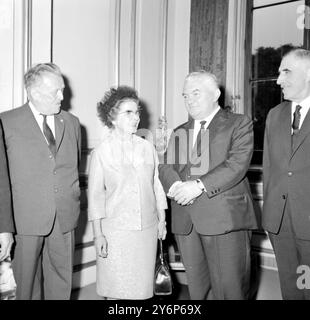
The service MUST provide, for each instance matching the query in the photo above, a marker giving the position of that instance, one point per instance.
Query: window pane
(265, 95)
(258, 3)
(266, 61)
(275, 29)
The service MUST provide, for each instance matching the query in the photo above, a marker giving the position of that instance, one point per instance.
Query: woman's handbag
(7, 281)
(162, 279)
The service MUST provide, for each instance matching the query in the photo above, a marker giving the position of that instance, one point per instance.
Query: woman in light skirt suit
(126, 201)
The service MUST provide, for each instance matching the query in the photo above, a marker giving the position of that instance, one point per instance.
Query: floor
(268, 288)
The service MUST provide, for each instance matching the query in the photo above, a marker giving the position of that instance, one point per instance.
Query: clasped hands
(184, 193)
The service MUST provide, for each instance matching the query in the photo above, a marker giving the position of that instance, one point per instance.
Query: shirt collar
(209, 118)
(33, 109)
(37, 114)
(305, 104)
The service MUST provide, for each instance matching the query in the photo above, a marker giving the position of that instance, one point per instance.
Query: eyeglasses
(130, 113)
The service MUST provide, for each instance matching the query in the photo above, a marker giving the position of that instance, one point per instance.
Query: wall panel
(81, 44)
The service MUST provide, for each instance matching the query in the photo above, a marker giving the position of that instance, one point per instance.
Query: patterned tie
(198, 141)
(49, 136)
(296, 120)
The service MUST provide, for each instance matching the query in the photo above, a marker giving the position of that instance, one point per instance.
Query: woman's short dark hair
(108, 106)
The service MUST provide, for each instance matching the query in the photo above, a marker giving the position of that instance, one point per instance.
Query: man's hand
(6, 242)
(186, 192)
(172, 189)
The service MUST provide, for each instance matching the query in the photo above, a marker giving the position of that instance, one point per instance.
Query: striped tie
(296, 120)
(198, 141)
(49, 136)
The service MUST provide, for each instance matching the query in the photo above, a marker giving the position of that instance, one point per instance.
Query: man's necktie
(49, 136)
(198, 140)
(296, 120)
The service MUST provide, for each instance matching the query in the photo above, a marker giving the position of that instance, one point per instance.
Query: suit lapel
(216, 125)
(31, 125)
(283, 130)
(303, 133)
(59, 129)
(184, 149)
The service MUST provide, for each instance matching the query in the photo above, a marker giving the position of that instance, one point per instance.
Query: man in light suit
(212, 210)
(286, 169)
(6, 217)
(43, 148)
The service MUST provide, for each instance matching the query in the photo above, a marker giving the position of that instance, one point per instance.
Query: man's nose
(189, 100)
(280, 79)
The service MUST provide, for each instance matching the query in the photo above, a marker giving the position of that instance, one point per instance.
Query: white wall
(13, 19)
(177, 60)
(6, 53)
(81, 49)
(41, 31)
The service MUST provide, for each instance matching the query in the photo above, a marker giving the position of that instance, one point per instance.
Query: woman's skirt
(128, 270)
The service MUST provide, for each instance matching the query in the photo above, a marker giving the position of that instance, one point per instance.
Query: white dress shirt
(39, 118)
(208, 120)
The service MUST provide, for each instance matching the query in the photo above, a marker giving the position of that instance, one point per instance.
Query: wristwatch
(201, 185)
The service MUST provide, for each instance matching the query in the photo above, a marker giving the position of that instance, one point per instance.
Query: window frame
(248, 80)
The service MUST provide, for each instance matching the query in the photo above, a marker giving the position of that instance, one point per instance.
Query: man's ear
(308, 74)
(217, 94)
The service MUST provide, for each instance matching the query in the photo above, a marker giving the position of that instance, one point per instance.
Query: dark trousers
(217, 267)
(291, 253)
(42, 265)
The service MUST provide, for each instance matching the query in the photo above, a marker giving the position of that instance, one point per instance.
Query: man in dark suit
(43, 148)
(6, 218)
(286, 169)
(212, 210)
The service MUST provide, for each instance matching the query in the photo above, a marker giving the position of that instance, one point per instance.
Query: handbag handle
(161, 251)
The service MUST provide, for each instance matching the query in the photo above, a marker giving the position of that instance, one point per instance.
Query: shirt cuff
(201, 185)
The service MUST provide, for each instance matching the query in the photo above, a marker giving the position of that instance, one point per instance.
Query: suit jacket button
(283, 196)
(290, 174)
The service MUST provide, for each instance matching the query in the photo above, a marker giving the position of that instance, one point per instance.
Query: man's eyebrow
(285, 69)
(193, 91)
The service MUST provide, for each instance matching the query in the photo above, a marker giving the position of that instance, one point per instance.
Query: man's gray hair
(34, 74)
(299, 53)
(203, 74)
